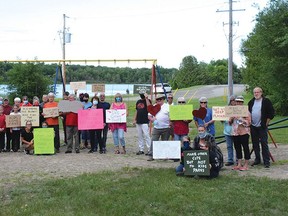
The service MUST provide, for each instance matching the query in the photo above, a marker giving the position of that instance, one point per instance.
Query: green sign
(196, 162)
(181, 112)
(43, 140)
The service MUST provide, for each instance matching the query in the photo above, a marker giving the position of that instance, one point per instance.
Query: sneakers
(91, 151)
(77, 151)
(140, 153)
(27, 152)
(68, 152)
(267, 166)
(229, 164)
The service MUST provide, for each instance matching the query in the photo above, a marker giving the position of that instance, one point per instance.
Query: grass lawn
(134, 191)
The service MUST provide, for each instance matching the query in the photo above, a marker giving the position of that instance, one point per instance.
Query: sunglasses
(159, 99)
(181, 102)
(203, 102)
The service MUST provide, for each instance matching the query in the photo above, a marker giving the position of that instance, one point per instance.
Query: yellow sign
(43, 140)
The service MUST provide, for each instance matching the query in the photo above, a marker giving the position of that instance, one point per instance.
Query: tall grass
(148, 192)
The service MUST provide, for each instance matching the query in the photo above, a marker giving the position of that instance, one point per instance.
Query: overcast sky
(166, 30)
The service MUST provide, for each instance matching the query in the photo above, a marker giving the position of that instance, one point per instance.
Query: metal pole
(230, 60)
(63, 54)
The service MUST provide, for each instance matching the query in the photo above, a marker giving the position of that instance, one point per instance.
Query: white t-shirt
(162, 117)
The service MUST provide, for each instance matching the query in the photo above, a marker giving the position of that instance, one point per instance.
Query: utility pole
(230, 47)
(63, 50)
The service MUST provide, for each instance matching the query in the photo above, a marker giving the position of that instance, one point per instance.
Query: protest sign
(116, 116)
(181, 112)
(30, 113)
(70, 106)
(219, 114)
(236, 111)
(166, 149)
(90, 119)
(78, 85)
(13, 121)
(43, 140)
(51, 112)
(196, 162)
(98, 87)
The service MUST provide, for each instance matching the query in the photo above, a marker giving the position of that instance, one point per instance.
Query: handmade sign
(200, 113)
(219, 114)
(98, 87)
(153, 110)
(13, 121)
(78, 85)
(43, 140)
(181, 112)
(116, 116)
(30, 113)
(236, 111)
(166, 149)
(51, 112)
(70, 106)
(90, 119)
(196, 162)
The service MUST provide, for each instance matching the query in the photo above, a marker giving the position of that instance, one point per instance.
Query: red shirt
(71, 119)
(181, 127)
(7, 109)
(2, 121)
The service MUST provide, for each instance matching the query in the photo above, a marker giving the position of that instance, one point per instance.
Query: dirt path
(18, 167)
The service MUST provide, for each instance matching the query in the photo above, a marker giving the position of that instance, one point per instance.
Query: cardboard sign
(90, 119)
(236, 111)
(78, 85)
(70, 106)
(181, 112)
(13, 121)
(30, 113)
(219, 114)
(43, 140)
(166, 149)
(116, 116)
(196, 162)
(51, 112)
(98, 87)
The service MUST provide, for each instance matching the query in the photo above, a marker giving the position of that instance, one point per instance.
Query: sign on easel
(166, 149)
(196, 162)
(43, 140)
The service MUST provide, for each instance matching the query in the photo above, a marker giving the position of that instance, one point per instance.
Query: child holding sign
(185, 147)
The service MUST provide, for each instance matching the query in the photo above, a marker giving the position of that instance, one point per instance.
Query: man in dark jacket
(262, 112)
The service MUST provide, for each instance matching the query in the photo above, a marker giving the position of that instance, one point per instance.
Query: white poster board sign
(166, 149)
(30, 113)
(116, 116)
(219, 114)
(78, 85)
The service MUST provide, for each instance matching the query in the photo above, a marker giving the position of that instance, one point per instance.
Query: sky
(166, 30)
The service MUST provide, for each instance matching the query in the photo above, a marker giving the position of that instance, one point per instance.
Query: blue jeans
(230, 151)
(179, 137)
(118, 135)
(179, 169)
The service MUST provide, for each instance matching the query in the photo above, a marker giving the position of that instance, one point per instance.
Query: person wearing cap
(160, 120)
(53, 121)
(262, 111)
(207, 121)
(6, 111)
(241, 133)
(228, 135)
(142, 123)
(181, 127)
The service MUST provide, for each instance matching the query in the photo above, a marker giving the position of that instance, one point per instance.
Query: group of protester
(236, 130)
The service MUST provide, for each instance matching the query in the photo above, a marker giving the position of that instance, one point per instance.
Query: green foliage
(266, 52)
(28, 79)
(135, 191)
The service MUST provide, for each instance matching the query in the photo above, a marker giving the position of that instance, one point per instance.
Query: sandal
(236, 168)
(243, 168)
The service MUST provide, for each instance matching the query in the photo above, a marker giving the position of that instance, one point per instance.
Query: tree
(28, 79)
(266, 52)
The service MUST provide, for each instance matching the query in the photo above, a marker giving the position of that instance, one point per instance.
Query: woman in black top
(27, 137)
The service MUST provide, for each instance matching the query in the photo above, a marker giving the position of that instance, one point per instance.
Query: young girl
(27, 137)
(118, 129)
(185, 147)
(15, 131)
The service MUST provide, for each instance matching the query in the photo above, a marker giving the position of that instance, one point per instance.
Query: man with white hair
(53, 121)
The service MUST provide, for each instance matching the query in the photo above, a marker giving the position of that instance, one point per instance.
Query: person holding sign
(53, 121)
(118, 129)
(207, 121)
(2, 129)
(241, 133)
(181, 127)
(205, 141)
(6, 111)
(27, 138)
(15, 131)
(185, 147)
